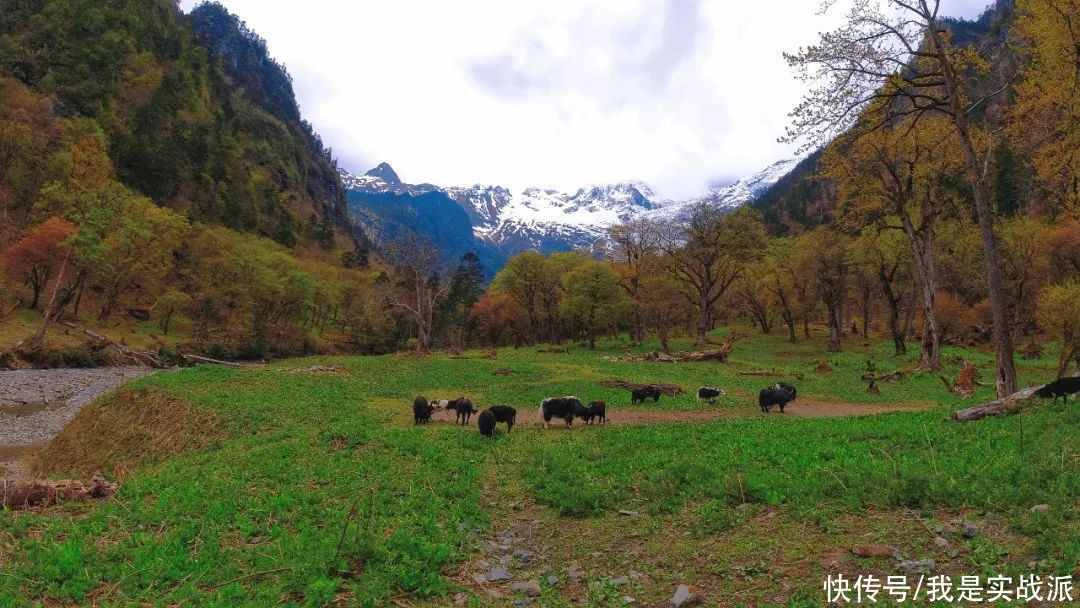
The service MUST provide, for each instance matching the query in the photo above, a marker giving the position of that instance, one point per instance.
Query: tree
(825, 255)
(524, 278)
(169, 304)
(899, 178)
(901, 64)
(423, 283)
(1059, 312)
(889, 258)
(708, 251)
(496, 312)
(38, 255)
(1046, 115)
(779, 278)
(636, 246)
(594, 299)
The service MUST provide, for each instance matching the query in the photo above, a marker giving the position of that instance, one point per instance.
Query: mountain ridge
(544, 219)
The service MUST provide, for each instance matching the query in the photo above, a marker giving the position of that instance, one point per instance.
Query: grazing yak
(421, 410)
(1062, 387)
(708, 393)
(596, 409)
(778, 394)
(486, 421)
(561, 407)
(464, 409)
(504, 413)
(638, 395)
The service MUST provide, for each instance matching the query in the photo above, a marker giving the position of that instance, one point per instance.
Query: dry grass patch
(126, 430)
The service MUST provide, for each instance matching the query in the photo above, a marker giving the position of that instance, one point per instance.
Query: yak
(561, 407)
(708, 393)
(486, 421)
(464, 409)
(778, 394)
(598, 410)
(421, 410)
(504, 413)
(638, 395)
(1062, 387)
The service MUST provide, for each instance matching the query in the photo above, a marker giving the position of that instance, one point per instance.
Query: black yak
(504, 413)
(1062, 387)
(779, 394)
(639, 395)
(561, 407)
(464, 409)
(486, 421)
(597, 409)
(421, 410)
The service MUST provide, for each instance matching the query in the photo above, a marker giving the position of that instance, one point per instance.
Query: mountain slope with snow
(549, 220)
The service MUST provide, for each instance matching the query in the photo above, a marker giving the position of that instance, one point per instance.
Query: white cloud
(678, 93)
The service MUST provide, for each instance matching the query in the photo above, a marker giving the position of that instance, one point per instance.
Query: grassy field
(305, 483)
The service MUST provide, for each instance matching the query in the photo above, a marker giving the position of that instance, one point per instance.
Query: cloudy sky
(680, 94)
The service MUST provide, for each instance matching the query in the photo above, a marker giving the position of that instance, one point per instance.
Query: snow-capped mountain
(741, 192)
(550, 220)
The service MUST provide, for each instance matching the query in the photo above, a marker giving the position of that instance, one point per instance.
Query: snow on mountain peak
(545, 218)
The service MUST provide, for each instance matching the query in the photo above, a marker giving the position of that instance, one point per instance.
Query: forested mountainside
(199, 119)
(806, 197)
(156, 163)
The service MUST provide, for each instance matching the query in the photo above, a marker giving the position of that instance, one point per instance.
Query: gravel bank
(36, 404)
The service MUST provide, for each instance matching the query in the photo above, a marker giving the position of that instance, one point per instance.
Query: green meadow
(305, 483)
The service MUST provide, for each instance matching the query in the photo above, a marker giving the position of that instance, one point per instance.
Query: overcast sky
(680, 94)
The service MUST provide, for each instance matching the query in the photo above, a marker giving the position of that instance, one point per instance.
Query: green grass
(323, 490)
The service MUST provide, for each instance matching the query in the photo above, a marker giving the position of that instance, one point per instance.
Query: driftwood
(42, 493)
(138, 357)
(200, 359)
(999, 407)
(721, 355)
(762, 374)
(670, 390)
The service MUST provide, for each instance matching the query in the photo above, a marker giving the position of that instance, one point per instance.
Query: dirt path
(803, 408)
(36, 404)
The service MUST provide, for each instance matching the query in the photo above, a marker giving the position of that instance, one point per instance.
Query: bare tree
(424, 283)
(708, 251)
(900, 61)
(637, 244)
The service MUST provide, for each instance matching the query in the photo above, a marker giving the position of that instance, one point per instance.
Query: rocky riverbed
(36, 404)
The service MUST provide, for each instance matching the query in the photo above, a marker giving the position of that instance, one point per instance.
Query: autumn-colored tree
(1046, 115)
(1025, 269)
(825, 254)
(900, 63)
(38, 256)
(524, 278)
(1059, 313)
(594, 299)
(889, 257)
(496, 312)
(780, 280)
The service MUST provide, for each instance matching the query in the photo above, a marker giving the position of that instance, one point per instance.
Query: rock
(495, 594)
(461, 599)
(875, 551)
(916, 566)
(523, 554)
(1040, 508)
(574, 572)
(941, 541)
(620, 581)
(480, 579)
(498, 574)
(553, 580)
(525, 601)
(628, 599)
(635, 575)
(683, 597)
(970, 530)
(628, 513)
(530, 588)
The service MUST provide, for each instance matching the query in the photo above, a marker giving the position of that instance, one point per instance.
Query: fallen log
(999, 407)
(209, 360)
(134, 356)
(25, 495)
(670, 390)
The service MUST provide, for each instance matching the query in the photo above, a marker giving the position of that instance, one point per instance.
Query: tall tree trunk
(922, 252)
(1003, 344)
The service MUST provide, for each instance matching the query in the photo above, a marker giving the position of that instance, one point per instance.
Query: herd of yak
(569, 408)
